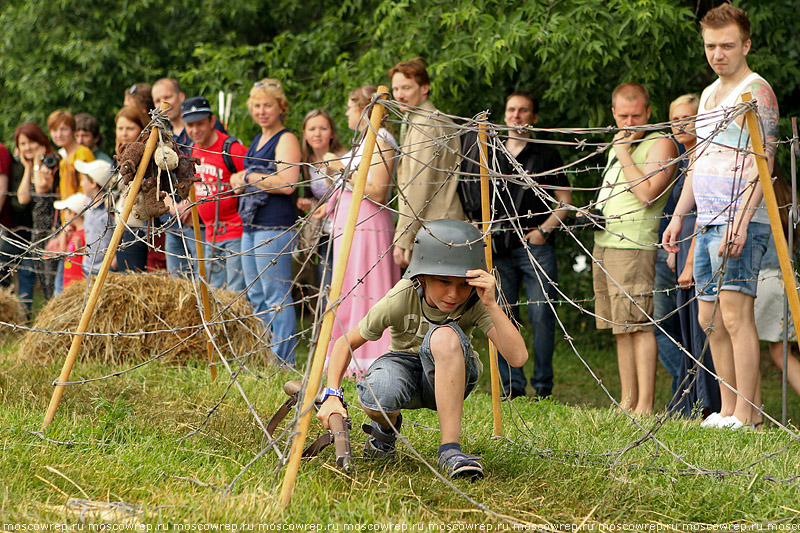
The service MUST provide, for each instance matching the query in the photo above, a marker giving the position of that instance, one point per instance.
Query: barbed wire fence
(315, 298)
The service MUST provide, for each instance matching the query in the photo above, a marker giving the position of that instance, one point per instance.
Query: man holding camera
(632, 198)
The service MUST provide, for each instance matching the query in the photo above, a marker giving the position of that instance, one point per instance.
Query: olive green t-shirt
(400, 311)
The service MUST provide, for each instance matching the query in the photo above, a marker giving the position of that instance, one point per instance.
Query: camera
(596, 213)
(50, 161)
(584, 221)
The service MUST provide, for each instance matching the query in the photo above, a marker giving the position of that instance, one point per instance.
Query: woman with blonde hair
(61, 125)
(698, 395)
(272, 169)
(371, 270)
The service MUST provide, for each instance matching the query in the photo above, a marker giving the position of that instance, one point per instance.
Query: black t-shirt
(512, 200)
(532, 207)
(21, 215)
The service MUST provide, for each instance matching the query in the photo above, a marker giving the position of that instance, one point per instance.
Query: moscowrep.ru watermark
(386, 527)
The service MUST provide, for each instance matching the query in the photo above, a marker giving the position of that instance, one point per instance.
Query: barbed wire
(238, 364)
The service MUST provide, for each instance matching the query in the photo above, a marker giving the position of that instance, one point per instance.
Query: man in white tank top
(733, 231)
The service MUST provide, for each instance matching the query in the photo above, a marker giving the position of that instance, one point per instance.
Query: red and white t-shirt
(217, 204)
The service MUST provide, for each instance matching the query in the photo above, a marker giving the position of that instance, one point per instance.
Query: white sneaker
(711, 421)
(731, 422)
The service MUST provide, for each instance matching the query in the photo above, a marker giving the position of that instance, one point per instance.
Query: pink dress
(371, 270)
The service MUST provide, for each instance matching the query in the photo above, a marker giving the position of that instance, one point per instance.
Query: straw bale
(161, 311)
(11, 312)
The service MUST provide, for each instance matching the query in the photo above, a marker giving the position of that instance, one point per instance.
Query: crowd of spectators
(659, 289)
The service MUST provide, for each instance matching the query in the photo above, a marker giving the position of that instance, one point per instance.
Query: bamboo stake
(774, 216)
(198, 243)
(97, 285)
(315, 375)
(486, 215)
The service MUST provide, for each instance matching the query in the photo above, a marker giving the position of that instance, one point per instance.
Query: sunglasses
(266, 84)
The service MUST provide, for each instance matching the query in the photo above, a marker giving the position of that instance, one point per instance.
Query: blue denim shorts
(400, 380)
(738, 274)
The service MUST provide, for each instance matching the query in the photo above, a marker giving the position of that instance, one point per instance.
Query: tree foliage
(82, 54)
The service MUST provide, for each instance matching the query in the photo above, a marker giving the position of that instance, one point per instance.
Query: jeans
(26, 280)
(738, 273)
(513, 268)
(325, 264)
(10, 261)
(665, 303)
(224, 265)
(59, 278)
(267, 265)
(132, 252)
(399, 380)
(178, 263)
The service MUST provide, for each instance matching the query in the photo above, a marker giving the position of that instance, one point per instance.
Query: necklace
(720, 96)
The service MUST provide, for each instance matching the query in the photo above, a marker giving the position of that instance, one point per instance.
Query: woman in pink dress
(371, 271)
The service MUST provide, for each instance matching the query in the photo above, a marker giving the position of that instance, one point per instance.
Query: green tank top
(637, 224)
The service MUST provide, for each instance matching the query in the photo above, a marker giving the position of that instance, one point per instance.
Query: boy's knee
(445, 342)
(380, 416)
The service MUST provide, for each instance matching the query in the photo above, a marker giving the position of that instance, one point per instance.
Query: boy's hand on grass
(484, 284)
(330, 406)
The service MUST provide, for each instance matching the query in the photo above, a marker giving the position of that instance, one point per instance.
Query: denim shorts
(738, 274)
(401, 380)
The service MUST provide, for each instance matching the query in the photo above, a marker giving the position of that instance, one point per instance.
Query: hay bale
(161, 312)
(12, 312)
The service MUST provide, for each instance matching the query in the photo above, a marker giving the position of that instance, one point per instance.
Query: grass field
(157, 446)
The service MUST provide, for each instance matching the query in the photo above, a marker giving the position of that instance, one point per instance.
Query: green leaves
(83, 54)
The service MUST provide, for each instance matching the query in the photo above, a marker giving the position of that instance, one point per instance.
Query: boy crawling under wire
(431, 314)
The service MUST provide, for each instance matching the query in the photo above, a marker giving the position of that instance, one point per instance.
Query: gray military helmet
(447, 248)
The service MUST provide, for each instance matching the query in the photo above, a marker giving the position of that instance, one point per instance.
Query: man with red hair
(733, 226)
(430, 149)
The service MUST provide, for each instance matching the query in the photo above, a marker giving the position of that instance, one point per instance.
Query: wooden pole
(315, 375)
(97, 285)
(198, 243)
(792, 222)
(497, 412)
(772, 210)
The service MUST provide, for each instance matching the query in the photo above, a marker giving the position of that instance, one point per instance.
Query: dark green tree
(83, 54)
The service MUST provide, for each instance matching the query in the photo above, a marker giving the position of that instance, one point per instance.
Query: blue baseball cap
(196, 108)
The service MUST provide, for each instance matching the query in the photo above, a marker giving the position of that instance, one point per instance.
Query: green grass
(560, 461)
